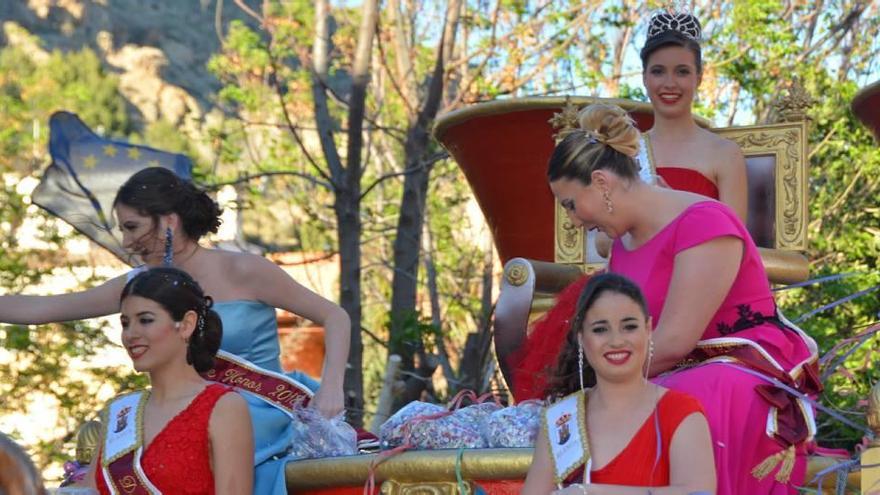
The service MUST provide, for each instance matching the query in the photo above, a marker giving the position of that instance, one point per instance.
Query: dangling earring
(650, 357)
(581, 363)
(608, 205)
(168, 259)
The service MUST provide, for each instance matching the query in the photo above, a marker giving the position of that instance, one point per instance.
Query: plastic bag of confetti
(460, 429)
(315, 436)
(514, 426)
(393, 431)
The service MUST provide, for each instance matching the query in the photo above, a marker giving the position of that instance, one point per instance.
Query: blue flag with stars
(86, 171)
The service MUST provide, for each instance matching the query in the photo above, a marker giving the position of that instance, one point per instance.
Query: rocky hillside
(158, 48)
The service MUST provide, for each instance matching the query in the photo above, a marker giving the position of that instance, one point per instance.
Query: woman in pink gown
(682, 154)
(717, 335)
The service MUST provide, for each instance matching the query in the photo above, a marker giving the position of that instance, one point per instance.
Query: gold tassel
(767, 465)
(784, 473)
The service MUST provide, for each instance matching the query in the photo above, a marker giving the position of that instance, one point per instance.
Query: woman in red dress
(684, 156)
(193, 436)
(638, 434)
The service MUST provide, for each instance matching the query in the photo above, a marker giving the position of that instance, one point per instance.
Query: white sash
(124, 436)
(566, 428)
(645, 161)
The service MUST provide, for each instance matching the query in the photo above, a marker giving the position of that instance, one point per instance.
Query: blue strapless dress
(250, 331)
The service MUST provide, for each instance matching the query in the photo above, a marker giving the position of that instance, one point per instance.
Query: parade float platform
(433, 472)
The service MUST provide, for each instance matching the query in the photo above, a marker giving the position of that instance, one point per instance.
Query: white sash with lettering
(123, 446)
(645, 161)
(566, 428)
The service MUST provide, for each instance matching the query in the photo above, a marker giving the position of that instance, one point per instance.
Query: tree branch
(291, 127)
(320, 70)
(249, 177)
(411, 170)
(243, 6)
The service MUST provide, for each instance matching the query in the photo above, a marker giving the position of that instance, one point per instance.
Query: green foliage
(417, 333)
(38, 360)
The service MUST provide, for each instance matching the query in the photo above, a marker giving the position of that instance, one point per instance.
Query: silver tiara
(680, 22)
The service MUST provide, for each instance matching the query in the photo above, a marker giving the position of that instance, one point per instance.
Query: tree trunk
(347, 207)
(407, 243)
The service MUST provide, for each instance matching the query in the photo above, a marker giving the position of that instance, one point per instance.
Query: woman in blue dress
(162, 219)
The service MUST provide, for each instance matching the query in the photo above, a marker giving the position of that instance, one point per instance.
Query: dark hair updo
(564, 379)
(673, 29)
(607, 139)
(158, 191)
(178, 293)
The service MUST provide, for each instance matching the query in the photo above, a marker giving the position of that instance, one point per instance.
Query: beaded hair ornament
(684, 23)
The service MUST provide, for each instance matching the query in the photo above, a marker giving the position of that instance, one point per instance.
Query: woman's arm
(33, 310)
(691, 457)
(274, 287)
(732, 182)
(232, 446)
(539, 480)
(701, 278)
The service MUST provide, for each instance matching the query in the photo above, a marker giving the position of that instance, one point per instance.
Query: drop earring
(581, 363)
(168, 259)
(609, 206)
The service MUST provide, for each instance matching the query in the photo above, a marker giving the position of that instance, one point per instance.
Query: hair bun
(611, 126)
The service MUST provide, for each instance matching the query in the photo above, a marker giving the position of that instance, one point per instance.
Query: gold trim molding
(416, 467)
(497, 107)
(392, 487)
(569, 239)
(787, 143)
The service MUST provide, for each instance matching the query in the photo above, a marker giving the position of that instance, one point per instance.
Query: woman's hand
(328, 400)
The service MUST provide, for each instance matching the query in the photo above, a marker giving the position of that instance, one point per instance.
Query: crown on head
(680, 22)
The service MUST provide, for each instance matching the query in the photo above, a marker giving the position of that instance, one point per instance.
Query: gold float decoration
(516, 274)
(793, 105)
(565, 121)
(787, 144)
(88, 439)
(874, 414)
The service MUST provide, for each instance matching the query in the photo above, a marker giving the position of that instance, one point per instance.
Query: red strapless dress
(536, 358)
(177, 461)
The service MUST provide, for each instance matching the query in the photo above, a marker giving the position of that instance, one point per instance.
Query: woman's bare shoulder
(718, 144)
(236, 264)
